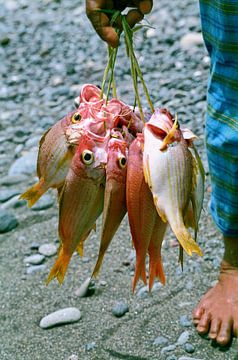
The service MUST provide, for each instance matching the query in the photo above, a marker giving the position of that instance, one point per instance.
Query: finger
(133, 17)
(101, 24)
(145, 6)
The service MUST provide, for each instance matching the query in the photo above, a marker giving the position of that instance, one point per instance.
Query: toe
(214, 329)
(197, 314)
(204, 323)
(224, 335)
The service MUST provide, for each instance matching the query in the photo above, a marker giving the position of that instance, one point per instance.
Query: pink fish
(54, 158)
(80, 202)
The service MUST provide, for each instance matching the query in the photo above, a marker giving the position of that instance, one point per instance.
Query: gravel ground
(47, 51)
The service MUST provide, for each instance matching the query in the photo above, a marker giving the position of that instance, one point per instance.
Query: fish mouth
(77, 102)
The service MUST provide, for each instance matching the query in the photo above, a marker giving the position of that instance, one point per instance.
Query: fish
(143, 218)
(80, 203)
(170, 172)
(115, 194)
(54, 158)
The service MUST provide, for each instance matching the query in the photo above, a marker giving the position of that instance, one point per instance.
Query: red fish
(115, 194)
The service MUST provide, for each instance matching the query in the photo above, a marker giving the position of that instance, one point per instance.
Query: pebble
(73, 357)
(13, 203)
(13, 179)
(48, 250)
(190, 40)
(184, 321)
(90, 346)
(102, 283)
(45, 202)
(61, 317)
(120, 309)
(8, 221)
(188, 358)
(183, 338)
(160, 340)
(189, 348)
(35, 259)
(35, 268)
(86, 289)
(168, 348)
(26, 164)
(172, 357)
(7, 194)
(34, 246)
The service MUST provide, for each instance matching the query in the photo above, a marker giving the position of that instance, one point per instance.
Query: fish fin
(94, 227)
(169, 138)
(189, 216)
(140, 273)
(33, 194)
(80, 249)
(181, 256)
(159, 211)
(59, 268)
(146, 171)
(186, 241)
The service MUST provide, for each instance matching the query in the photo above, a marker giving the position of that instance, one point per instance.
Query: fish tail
(140, 273)
(98, 265)
(186, 241)
(59, 268)
(156, 271)
(33, 194)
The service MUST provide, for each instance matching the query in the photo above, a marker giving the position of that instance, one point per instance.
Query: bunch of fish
(103, 159)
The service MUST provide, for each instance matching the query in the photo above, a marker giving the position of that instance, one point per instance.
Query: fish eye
(87, 157)
(76, 118)
(122, 161)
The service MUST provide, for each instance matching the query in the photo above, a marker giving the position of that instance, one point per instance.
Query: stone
(90, 346)
(45, 202)
(190, 40)
(35, 268)
(172, 357)
(73, 357)
(161, 340)
(188, 358)
(86, 289)
(120, 309)
(26, 164)
(184, 321)
(48, 250)
(35, 259)
(8, 221)
(61, 317)
(7, 194)
(183, 338)
(13, 179)
(168, 348)
(13, 203)
(189, 348)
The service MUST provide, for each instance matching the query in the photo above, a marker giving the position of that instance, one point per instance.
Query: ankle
(230, 259)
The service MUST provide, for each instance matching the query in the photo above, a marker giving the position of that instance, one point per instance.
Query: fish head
(117, 160)
(164, 127)
(90, 159)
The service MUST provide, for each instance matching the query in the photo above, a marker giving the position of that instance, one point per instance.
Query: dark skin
(217, 312)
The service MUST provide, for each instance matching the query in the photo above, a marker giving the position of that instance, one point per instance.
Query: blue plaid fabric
(220, 31)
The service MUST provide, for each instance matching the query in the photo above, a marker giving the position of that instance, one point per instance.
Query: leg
(217, 312)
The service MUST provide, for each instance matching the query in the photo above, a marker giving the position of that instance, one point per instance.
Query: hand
(101, 21)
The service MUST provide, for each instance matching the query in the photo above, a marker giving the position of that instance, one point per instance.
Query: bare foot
(217, 312)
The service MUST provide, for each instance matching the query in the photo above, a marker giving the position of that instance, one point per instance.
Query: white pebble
(61, 317)
(48, 249)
